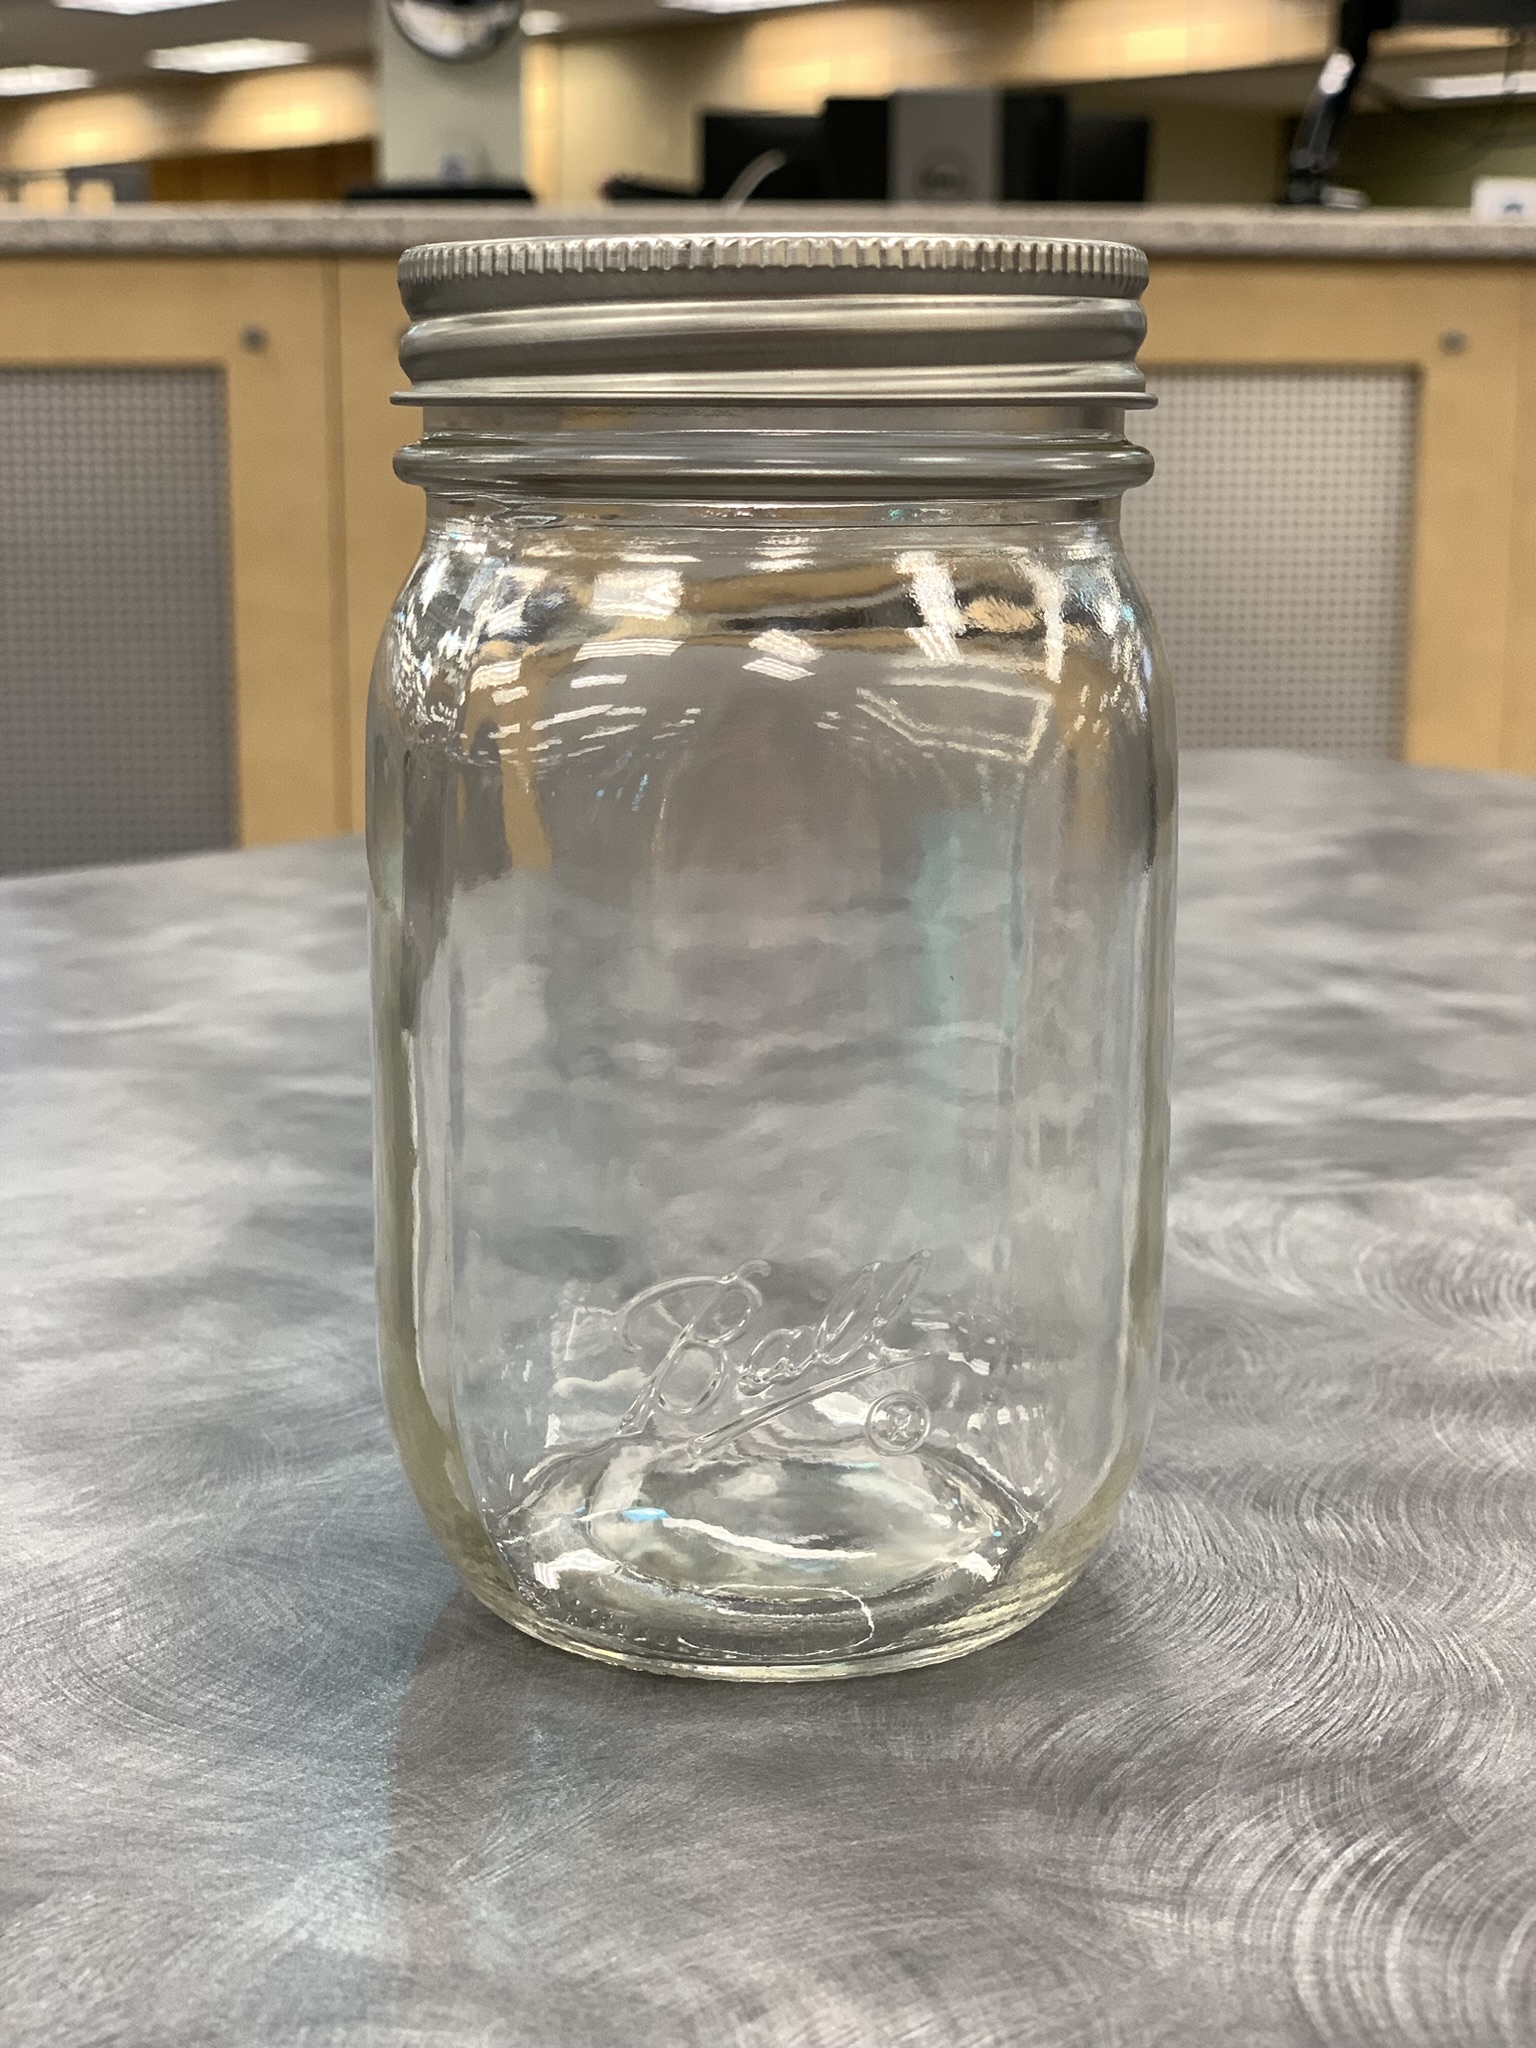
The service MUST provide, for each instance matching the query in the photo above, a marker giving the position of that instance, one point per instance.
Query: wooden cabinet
(322, 533)
(1468, 333)
(270, 327)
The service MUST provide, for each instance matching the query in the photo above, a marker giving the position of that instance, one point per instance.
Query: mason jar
(771, 834)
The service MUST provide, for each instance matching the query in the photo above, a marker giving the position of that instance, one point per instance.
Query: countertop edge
(1375, 235)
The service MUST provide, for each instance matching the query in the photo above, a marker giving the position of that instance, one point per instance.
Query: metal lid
(678, 317)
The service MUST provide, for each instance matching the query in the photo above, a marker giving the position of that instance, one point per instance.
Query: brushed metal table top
(1267, 1776)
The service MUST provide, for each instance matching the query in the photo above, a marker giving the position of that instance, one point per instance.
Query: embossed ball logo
(723, 1367)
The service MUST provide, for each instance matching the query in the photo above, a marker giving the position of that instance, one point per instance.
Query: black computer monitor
(733, 142)
(1104, 158)
(855, 149)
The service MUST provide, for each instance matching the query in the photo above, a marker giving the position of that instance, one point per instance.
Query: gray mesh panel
(115, 663)
(1275, 545)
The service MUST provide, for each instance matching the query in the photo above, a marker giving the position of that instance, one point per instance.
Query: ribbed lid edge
(1097, 267)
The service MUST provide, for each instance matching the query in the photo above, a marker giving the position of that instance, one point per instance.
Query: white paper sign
(1504, 199)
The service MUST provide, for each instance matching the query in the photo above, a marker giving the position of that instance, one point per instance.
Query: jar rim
(824, 453)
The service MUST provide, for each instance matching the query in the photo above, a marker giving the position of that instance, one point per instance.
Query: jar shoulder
(497, 619)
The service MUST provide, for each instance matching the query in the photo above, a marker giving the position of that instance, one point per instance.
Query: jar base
(917, 1560)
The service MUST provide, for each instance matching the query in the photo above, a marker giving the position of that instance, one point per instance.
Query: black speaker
(1034, 143)
(855, 149)
(1105, 158)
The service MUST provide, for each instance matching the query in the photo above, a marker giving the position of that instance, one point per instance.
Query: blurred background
(202, 203)
(1173, 100)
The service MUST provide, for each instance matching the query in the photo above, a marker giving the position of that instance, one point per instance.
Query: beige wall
(1431, 159)
(1231, 156)
(594, 105)
(1224, 154)
(321, 103)
(600, 104)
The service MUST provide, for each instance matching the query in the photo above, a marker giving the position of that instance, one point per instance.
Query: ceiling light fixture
(738, 6)
(240, 53)
(131, 6)
(1477, 85)
(24, 81)
(541, 21)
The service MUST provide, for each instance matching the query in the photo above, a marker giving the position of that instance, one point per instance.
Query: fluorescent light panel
(738, 6)
(131, 6)
(240, 53)
(24, 81)
(1478, 85)
(541, 21)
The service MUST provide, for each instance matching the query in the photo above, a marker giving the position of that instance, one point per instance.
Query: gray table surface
(1265, 1776)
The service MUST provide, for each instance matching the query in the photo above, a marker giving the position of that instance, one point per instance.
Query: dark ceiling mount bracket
(1314, 150)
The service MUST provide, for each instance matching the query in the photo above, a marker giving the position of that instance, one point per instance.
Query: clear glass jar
(771, 807)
